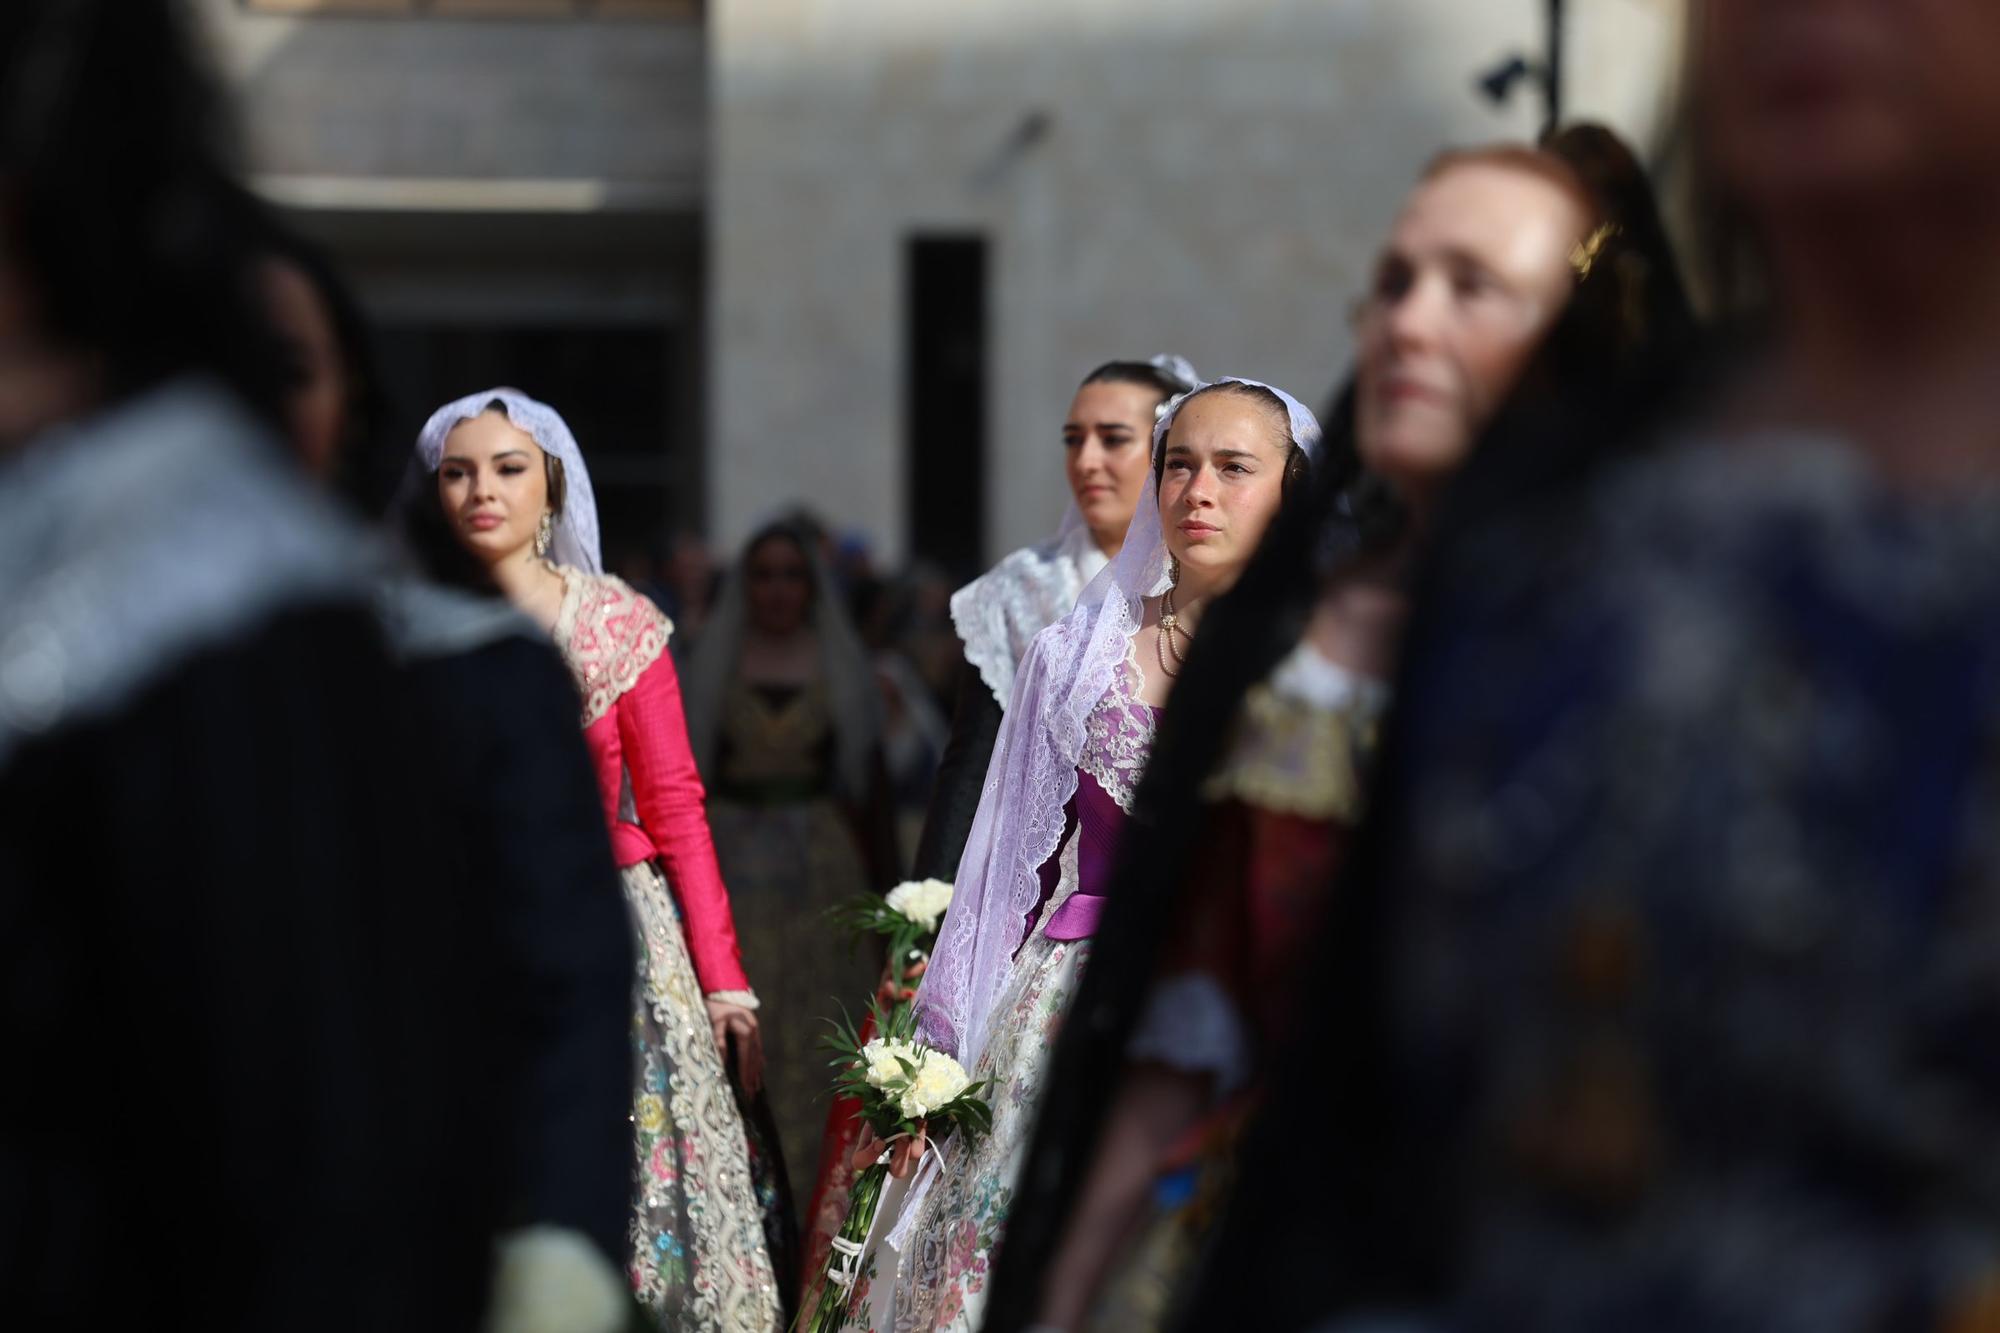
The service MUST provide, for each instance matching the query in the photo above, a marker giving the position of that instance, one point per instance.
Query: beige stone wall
(402, 112)
(1213, 180)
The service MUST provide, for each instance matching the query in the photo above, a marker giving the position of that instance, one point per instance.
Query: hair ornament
(1583, 257)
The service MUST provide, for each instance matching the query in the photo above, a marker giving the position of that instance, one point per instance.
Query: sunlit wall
(1203, 176)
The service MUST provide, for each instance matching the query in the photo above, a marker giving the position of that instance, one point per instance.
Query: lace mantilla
(998, 614)
(1117, 739)
(608, 635)
(1302, 739)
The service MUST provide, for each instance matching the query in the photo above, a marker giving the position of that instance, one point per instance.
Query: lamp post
(1552, 62)
(1498, 82)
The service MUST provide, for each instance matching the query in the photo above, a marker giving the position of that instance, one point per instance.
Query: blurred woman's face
(316, 397)
(1812, 103)
(494, 486)
(778, 586)
(1474, 273)
(1107, 446)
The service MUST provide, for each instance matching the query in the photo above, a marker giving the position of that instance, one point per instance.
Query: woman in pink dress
(511, 485)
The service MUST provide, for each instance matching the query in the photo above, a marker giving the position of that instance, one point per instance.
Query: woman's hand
(733, 1020)
(904, 1152)
(888, 994)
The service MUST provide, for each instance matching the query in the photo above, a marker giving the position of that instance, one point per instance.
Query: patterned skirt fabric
(785, 866)
(700, 1256)
(940, 1282)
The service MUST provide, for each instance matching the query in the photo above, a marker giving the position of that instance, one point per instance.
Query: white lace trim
(135, 538)
(1118, 738)
(1309, 678)
(998, 614)
(428, 620)
(1191, 1024)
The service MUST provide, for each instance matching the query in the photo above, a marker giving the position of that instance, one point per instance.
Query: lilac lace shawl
(1069, 668)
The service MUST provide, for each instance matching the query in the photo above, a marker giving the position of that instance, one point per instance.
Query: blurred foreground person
(527, 840)
(1512, 277)
(234, 988)
(1663, 993)
(506, 480)
(335, 407)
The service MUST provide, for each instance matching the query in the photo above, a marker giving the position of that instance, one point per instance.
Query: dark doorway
(944, 423)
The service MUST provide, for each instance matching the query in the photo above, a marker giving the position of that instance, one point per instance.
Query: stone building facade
(1208, 177)
(856, 253)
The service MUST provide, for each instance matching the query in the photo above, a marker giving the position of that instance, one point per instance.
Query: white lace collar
(132, 540)
(998, 614)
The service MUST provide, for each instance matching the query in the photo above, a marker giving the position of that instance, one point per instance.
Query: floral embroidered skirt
(700, 1257)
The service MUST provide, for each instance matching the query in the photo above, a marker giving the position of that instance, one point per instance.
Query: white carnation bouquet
(908, 916)
(905, 1090)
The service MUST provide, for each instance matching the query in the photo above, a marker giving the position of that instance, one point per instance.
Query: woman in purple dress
(1029, 890)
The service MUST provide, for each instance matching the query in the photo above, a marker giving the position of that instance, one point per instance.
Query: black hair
(417, 517)
(368, 465)
(788, 529)
(119, 209)
(1144, 373)
(1631, 307)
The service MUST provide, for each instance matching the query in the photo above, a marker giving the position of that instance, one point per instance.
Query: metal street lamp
(1497, 83)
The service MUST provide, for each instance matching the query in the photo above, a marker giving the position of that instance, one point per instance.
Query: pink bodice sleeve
(615, 641)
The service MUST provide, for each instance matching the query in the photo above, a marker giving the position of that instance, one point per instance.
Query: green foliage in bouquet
(904, 1089)
(901, 1083)
(908, 917)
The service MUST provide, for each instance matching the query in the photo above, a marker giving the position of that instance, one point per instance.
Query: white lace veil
(1033, 772)
(850, 676)
(573, 542)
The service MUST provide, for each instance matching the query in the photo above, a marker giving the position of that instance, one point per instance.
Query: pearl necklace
(1170, 625)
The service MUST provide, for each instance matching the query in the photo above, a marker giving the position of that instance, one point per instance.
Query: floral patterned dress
(701, 1258)
(940, 1282)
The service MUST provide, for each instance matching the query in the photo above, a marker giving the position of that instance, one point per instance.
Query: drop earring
(544, 532)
